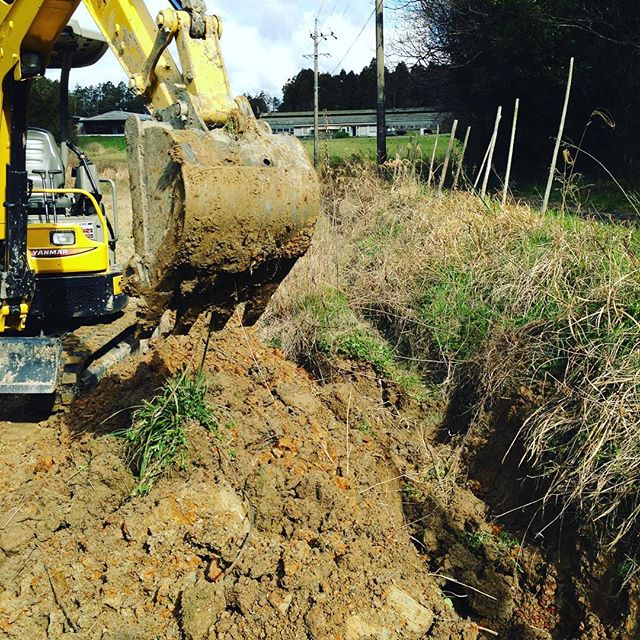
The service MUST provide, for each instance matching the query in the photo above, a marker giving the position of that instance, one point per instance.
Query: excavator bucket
(29, 365)
(220, 217)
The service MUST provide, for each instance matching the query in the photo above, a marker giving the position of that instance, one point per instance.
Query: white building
(357, 123)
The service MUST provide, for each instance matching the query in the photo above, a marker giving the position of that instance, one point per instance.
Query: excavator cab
(71, 242)
(222, 207)
(70, 238)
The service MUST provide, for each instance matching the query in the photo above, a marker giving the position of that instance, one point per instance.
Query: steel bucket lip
(29, 365)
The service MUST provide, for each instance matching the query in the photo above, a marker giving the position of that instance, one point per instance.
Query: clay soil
(318, 511)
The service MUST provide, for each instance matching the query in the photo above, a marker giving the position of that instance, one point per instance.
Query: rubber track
(83, 345)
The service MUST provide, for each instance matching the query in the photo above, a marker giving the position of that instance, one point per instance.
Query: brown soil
(320, 512)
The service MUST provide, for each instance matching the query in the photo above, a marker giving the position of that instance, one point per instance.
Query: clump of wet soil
(317, 512)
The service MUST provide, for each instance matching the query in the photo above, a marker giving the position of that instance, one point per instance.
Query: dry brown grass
(112, 164)
(503, 298)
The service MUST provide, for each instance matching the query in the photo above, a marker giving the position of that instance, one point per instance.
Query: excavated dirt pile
(319, 512)
(288, 525)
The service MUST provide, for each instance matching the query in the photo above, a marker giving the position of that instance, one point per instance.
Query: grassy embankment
(341, 150)
(499, 301)
(447, 290)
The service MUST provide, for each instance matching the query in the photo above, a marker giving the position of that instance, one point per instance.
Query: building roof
(354, 117)
(115, 116)
(354, 112)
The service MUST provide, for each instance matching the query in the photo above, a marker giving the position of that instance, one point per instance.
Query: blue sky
(264, 41)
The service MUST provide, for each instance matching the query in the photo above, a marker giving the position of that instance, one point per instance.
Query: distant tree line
(44, 104)
(406, 87)
(96, 99)
(262, 103)
(497, 50)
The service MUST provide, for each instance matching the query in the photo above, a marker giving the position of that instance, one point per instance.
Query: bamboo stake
(511, 145)
(445, 168)
(433, 155)
(492, 148)
(481, 171)
(556, 149)
(413, 154)
(461, 160)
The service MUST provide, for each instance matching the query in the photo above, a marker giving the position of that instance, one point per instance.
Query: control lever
(52, 175)
(45, 196)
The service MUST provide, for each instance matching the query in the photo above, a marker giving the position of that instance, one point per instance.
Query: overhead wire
(346, 8)
(331, 13)
(353, 44)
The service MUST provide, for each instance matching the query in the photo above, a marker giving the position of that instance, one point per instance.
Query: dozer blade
(220, 217)
(29, 365)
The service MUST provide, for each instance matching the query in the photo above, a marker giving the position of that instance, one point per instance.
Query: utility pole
(382, 116)
(317, 38)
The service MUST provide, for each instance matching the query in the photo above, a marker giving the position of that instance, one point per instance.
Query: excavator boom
(222, 207)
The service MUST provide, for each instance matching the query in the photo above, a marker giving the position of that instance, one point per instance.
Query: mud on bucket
(219, 218)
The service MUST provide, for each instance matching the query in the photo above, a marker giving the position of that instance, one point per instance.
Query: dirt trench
(319, 512)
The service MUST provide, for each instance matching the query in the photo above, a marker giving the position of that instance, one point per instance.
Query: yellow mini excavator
(222, 208)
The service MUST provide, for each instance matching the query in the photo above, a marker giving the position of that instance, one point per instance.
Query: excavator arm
(222, 207)
(200, 89)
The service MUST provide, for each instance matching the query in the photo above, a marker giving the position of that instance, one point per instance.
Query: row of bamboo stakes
(486, 167)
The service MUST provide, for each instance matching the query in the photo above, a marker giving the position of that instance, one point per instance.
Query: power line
(341, 14)
(317, 37)
(353, 44)
(320, 9)
(346, 8)
(333, 10)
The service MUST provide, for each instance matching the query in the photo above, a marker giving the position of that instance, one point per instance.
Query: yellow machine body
(32, 28)
(222, 207)
(83, 256)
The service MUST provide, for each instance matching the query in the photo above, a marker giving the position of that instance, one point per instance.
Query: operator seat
(44, 160)
(45, 169)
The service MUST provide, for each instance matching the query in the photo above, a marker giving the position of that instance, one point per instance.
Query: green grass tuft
(157, 438)
(503, 543)
(337, 330)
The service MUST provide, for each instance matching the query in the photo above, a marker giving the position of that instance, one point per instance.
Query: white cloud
(264, 41)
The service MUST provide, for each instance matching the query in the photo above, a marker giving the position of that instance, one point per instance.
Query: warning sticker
(87, 229)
